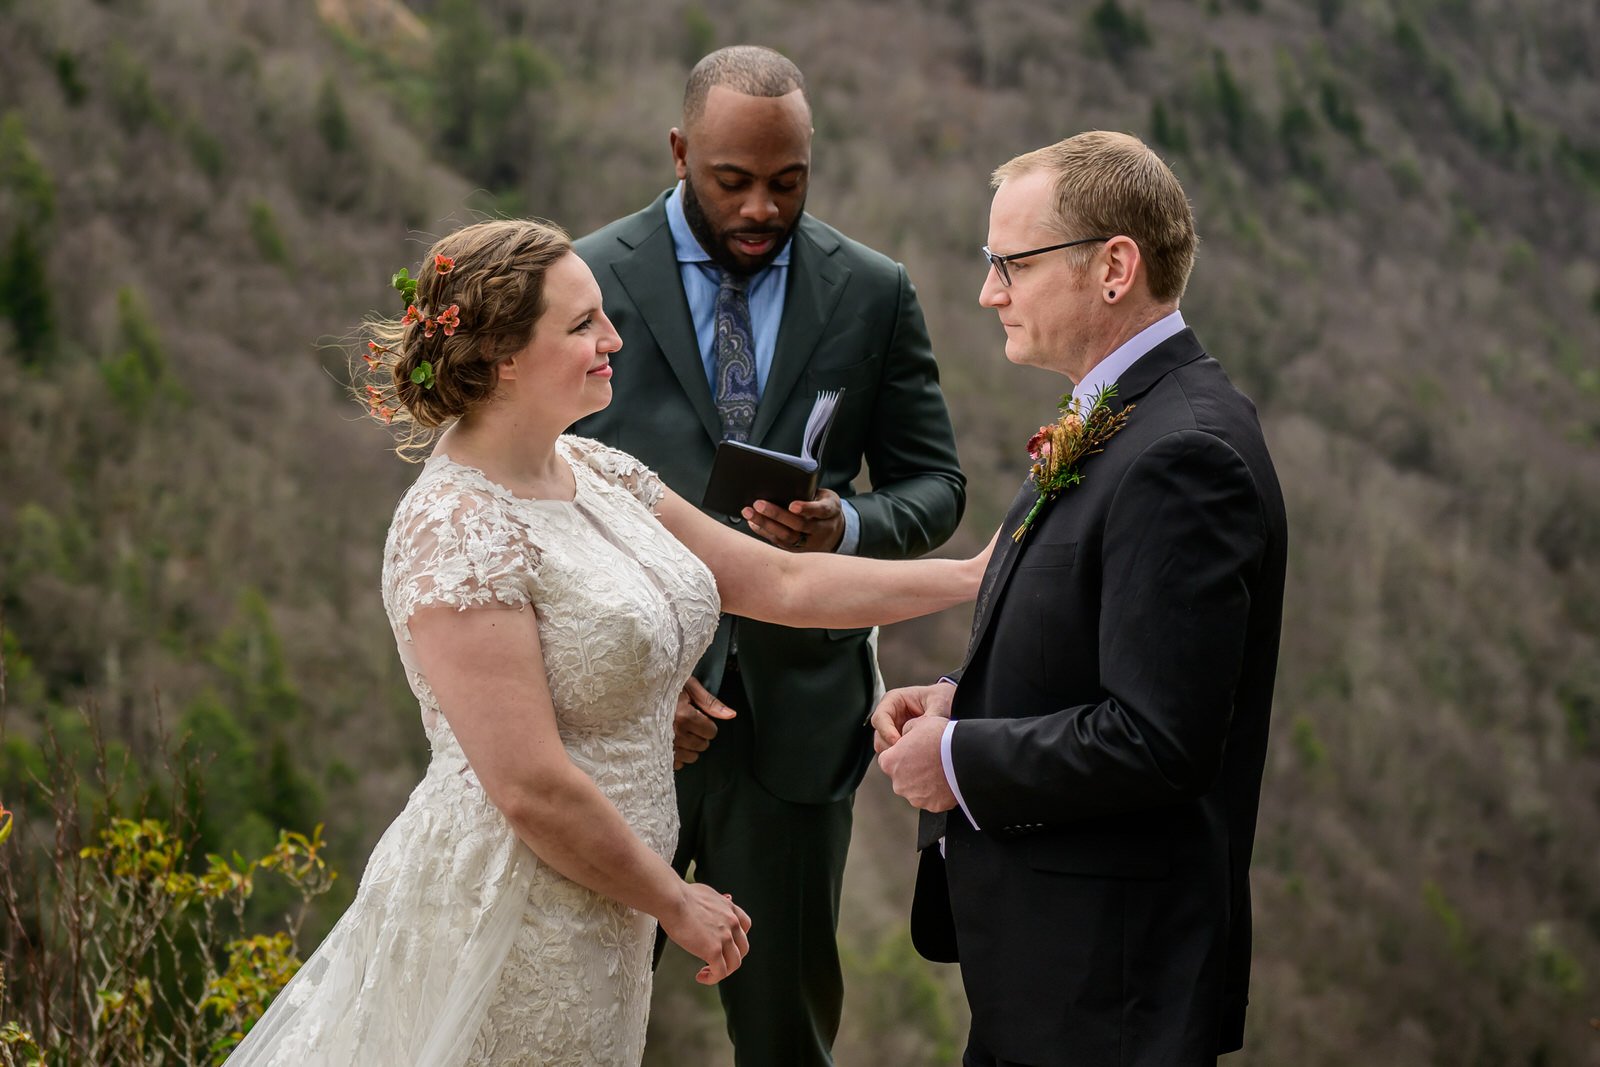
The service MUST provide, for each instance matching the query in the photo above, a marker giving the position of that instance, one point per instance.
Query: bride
(549, 597)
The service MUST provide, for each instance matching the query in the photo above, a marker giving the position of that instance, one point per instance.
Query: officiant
(736, 308)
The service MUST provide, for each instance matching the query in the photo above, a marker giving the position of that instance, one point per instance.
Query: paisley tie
(736, 394)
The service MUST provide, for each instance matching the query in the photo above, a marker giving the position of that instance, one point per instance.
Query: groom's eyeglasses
(1002, 264)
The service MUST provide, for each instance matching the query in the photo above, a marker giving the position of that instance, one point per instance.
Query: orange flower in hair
(450, 319)
(444, 264)
(412, 315)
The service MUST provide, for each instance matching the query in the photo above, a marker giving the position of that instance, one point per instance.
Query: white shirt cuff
(852, 529)
(950, 770)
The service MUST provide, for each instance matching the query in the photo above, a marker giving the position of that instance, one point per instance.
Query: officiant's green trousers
(784, 865)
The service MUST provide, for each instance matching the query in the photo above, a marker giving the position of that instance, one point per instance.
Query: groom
(1095, 765)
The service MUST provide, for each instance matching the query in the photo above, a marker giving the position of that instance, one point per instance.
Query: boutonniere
(1058, 450)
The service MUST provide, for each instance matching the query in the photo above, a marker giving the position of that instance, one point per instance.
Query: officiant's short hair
(747, 69)
(1112, 183)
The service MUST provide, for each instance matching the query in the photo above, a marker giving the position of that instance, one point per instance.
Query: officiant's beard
(719, 245)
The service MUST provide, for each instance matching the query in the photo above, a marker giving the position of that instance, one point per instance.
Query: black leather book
(741, 473)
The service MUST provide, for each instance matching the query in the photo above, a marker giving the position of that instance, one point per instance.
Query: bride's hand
(900, 706)
(709, 925)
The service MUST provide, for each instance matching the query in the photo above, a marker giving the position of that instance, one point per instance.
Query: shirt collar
(1125, 355)
(688, 249)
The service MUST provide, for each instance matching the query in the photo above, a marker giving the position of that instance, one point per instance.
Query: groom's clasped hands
(908, 727)
(908, 732)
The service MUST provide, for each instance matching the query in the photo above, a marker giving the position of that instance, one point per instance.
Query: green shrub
(1118, 31)
(27, 195)
(333, 124)
(36, 545)
(69, 78)
(902, 996)
(1296, 132)
(1582, 162)
(137, 374)
(1339, 112)
(483, 100)
(133, 99)
(205, 150)
(1407, 176)
(1551, 964)
(118, 959)
(1580, 705)
(27, 191)
(26, 300)
(1307, 745)
(699, 34)
(1237, 116)
(264, 231)
(1455, 929)
(1166, 130)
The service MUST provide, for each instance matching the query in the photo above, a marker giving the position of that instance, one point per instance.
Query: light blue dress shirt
(701, 278)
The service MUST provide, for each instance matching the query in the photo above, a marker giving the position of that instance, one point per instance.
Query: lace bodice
(624, 610)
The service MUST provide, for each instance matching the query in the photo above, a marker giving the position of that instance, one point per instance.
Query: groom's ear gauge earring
(1111, 294)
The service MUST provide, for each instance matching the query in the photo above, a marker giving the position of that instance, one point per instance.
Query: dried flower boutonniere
(1059, 449)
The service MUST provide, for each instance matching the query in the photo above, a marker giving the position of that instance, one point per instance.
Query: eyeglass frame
(1000, 263)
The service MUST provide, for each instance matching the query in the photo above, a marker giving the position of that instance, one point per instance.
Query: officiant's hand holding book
(742, 473)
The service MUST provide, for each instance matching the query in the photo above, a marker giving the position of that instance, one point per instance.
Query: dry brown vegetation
(1400, 209)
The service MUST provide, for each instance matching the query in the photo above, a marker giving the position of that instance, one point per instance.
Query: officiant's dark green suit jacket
(851, 320)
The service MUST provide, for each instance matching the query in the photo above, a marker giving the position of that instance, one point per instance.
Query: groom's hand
(804, 526)
(915, 768)
(694, 722)
(900, 706)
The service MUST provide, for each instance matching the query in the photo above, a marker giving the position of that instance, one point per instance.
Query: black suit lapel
(1001, 564)
(650, 277)
(815, 284)
(1179, 349)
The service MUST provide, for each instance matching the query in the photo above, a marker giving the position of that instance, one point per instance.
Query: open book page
(821, 418)
(816, 435)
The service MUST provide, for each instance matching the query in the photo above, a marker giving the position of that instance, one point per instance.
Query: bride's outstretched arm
(486, 668)
(759, 581)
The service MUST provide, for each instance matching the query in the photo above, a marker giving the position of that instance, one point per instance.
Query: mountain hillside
(1399, 206)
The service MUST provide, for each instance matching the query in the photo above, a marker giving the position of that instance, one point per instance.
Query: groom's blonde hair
(1110, 184)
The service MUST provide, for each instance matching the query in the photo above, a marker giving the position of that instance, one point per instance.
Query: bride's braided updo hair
(479, 294)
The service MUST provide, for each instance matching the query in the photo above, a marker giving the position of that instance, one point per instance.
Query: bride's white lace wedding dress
(461, 947)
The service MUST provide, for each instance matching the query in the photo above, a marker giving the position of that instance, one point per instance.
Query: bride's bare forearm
(824, 590)
(570, 825)
(819, 589)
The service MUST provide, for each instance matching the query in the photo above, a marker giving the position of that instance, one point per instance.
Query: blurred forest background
(1399, 203)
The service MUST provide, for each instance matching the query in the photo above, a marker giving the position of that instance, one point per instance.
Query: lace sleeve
(619, 468)
(453, 545)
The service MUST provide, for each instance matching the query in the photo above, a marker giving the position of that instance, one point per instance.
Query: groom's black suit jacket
(1112, 731)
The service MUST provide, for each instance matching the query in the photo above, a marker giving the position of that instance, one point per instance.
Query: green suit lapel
(650, 277)
(816, 282)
